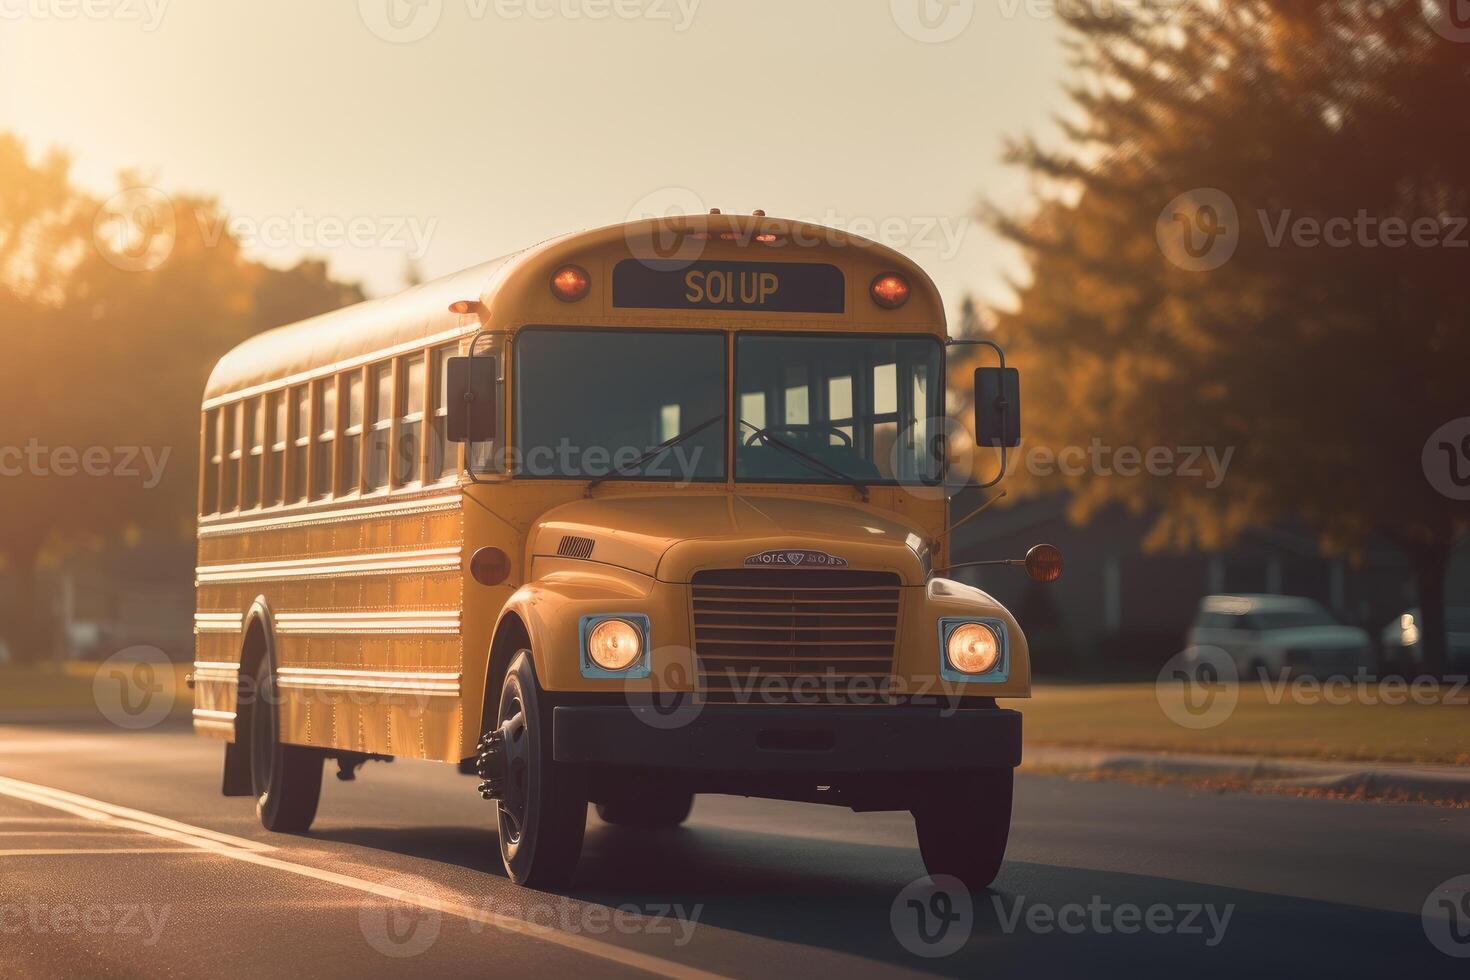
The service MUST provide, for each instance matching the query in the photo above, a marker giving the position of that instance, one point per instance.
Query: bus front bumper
(732, 739)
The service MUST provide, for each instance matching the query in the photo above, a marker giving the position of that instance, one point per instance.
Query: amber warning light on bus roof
(890, 290)
(570, 283)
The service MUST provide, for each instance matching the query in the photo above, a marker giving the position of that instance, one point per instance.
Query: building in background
(101, 603)
(1119, 610)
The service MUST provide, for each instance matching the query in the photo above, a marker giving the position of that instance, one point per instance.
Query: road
(400, 877)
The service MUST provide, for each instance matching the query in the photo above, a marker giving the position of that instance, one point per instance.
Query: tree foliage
(1325, 366)
(114, 312)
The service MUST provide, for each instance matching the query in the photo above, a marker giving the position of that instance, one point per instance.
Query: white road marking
(73, 851)
(111, 813)
(66, 832)
(249, 852)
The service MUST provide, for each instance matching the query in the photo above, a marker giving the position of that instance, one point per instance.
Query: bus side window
(275, 457)
(252, 432)
(840, 412)
(209, 494)
(300, 435)
(325, 396)
(348, 463)
(410, 421)
(380, 433)
(230, 445)
(443, 454)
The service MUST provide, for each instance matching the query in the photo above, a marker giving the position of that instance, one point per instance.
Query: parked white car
(1274, 633)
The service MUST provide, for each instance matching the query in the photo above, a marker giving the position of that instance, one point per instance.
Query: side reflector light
(490, 566)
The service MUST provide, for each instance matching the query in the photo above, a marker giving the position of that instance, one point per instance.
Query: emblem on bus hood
(814, 559)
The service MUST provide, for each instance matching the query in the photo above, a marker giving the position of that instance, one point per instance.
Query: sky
(452, 131)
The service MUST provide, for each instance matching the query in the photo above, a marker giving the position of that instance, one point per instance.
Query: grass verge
(1266, 721)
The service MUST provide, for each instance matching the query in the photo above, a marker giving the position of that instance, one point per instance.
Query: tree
(114, 313)
(286, 295)
(1211, 265)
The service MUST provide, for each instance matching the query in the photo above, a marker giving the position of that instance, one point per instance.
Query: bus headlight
(973, 650)
(615, 645)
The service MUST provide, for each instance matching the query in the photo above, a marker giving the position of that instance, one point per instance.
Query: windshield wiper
(765, 436)
(664, 446)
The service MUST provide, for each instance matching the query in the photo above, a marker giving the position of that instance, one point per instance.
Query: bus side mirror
(470, 387)
(997, 407)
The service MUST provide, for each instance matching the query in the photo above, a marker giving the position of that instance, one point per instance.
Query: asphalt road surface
(119, 857)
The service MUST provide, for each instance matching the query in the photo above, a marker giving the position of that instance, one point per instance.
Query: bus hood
(672, 537)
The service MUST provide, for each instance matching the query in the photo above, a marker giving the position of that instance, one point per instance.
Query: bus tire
(542, 813)
(287, 779)
(963, 830)
(648, 809)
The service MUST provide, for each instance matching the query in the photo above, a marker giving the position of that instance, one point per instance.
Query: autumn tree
(114, 312)
(1252, 236)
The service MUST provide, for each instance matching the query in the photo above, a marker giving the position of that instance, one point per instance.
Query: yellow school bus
(635, 514)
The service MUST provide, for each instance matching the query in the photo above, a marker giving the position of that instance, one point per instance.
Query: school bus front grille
(794, 636)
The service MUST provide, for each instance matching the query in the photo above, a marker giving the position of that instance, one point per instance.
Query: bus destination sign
(761, 287)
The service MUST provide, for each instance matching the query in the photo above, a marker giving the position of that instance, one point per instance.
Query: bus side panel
(365, 611)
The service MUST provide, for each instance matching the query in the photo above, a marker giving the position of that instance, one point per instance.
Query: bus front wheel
(542, 804)
(963, 829)
(287, 779)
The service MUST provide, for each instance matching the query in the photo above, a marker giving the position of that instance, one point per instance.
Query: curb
(1437, 783)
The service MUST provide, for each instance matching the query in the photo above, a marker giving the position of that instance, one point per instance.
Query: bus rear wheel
(963, 830)
(646, 808)
(542, 804)
(287, 779)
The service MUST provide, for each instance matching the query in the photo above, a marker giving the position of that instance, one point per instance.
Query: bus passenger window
(253, 431)
(275, 457)
(410, 422)
(209, 495)
(885, 410)
(326, 426)
(839, 405)
(668, 422)
(797, 397)
(230, 474)
(753, 409)
(351, 452)
(300, 444)
(380, 386)
(443, 454)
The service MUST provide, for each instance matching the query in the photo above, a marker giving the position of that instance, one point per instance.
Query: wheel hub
(490, 764)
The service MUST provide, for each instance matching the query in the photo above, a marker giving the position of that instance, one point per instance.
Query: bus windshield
(859, 408)
(590, 403)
